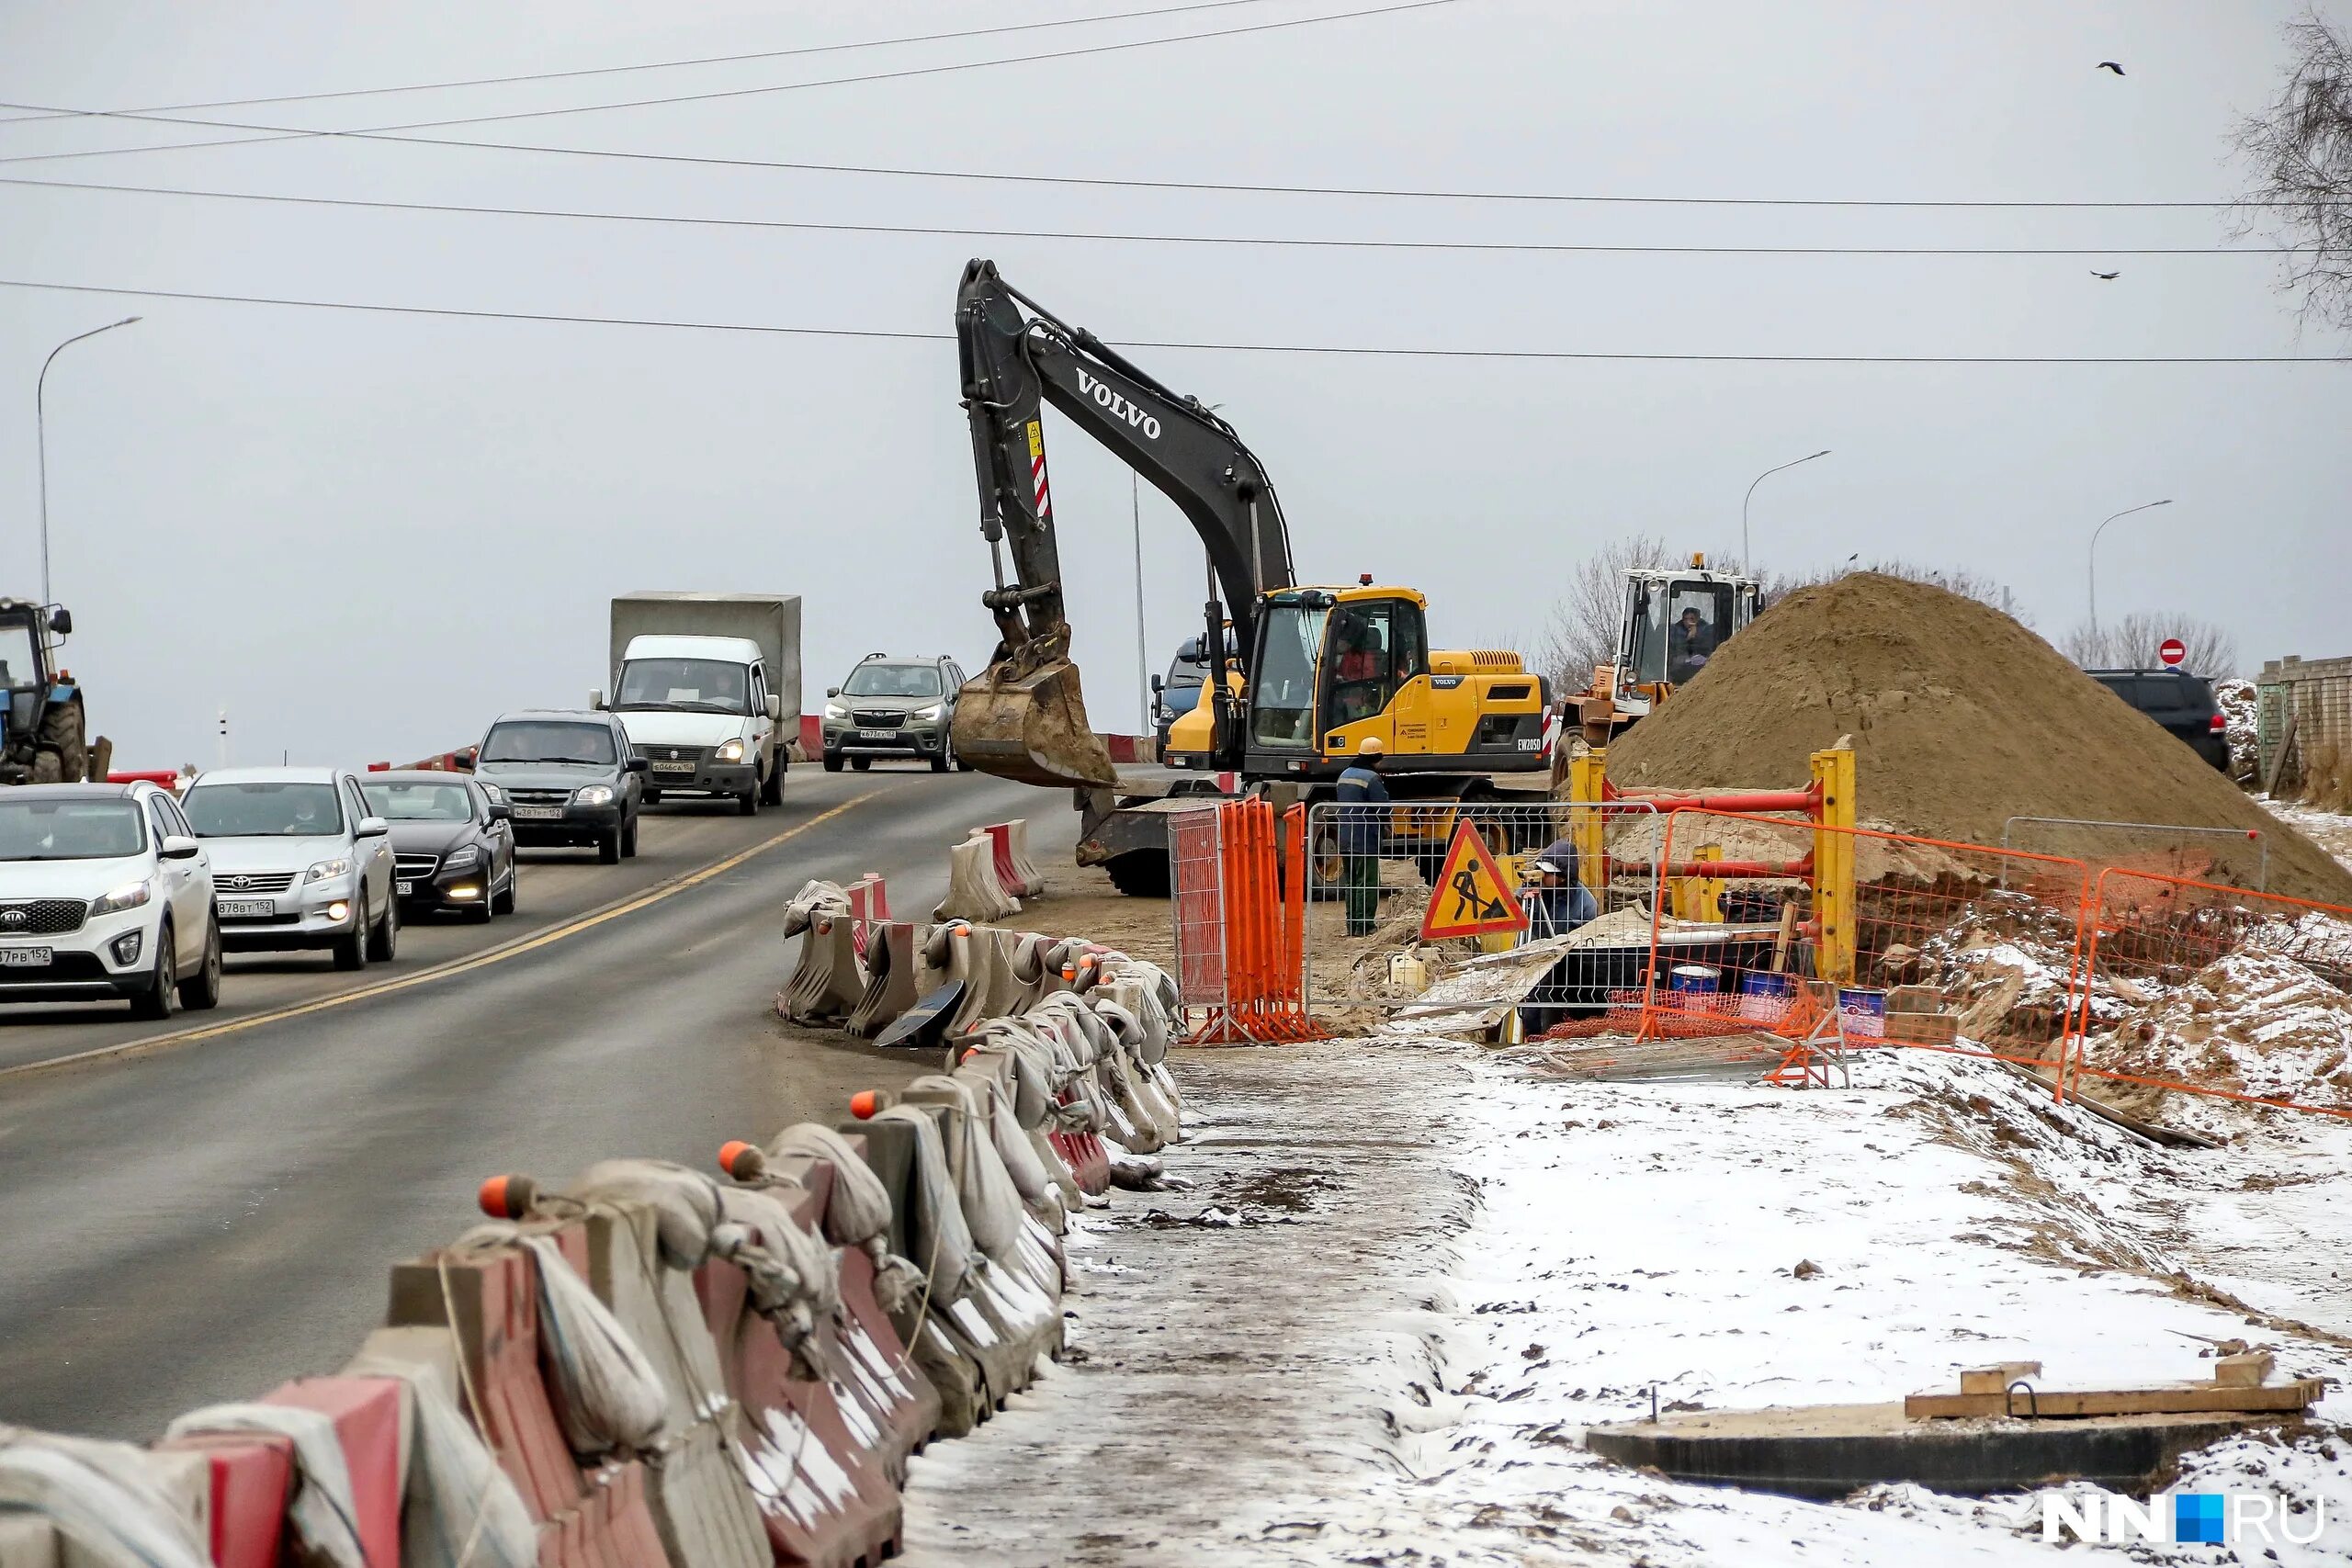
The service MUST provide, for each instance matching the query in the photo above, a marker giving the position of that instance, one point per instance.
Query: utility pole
(1143, 656)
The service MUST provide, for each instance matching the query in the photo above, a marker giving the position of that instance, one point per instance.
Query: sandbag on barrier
(890, 979)
(818, 1464)
(460, 1506)
(323, 1511)
(993, 1072)
(973, 892)
(984, 958)
(826, 982)
(953, 1348)
(116, 1506)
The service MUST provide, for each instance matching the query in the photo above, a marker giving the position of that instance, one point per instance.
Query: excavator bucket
(1028, 722)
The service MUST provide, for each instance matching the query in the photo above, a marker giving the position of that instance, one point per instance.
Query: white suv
(105, 893)
(298, 861)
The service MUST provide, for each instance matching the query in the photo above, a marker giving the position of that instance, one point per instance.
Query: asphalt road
(199, 1220)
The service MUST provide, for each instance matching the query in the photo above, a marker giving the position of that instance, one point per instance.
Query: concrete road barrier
(973, 893)
(890, 989)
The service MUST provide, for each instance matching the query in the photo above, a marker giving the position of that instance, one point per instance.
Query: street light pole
(1143, 659)
(2091, 572)
(40, 436)
(1748, 562)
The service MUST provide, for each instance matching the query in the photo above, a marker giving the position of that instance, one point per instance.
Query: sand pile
(1961, 718)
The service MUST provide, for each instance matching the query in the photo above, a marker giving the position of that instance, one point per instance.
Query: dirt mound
(1960, 717)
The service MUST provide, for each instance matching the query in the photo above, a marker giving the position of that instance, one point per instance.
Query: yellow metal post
(1699, 897)
(1587, 827)
(1833, 868)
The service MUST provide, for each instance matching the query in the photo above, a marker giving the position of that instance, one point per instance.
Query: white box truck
(707, 685)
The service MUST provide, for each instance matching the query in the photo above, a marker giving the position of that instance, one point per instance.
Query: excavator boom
(1026, 717)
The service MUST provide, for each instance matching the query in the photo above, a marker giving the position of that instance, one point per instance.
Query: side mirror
(61, 620)
(833, 690)
(500, 811)
(1158, 685)
(635, 765)
(596, 701)
(371, 828)
(775, 708)
(179, 846)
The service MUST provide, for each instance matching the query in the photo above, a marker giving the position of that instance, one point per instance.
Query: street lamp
(40, 436)
(2091, 573)
(1746, 562)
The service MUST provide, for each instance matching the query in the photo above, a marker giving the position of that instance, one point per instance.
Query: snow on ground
(2331, 831)
(1446, 1267)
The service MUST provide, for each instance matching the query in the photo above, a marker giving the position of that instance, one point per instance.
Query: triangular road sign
(1470, 899)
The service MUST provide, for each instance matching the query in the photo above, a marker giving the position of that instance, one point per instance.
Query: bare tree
(1956, 579)
(2299, 151)
(1582, 629)
(2131, 644)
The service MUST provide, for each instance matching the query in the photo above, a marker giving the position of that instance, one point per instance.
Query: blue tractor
(42, 735)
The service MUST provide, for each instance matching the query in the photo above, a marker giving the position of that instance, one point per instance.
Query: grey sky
(366, 535)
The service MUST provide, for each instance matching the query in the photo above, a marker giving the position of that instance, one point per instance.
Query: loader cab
(1674, 621)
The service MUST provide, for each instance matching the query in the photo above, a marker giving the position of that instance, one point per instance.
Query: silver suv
(893, 707)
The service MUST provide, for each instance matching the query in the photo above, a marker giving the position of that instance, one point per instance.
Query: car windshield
(549, 740)
(16, 667)
(260, 810)
(707, 685)
(894, 681)
(404, 801)
(34, 829)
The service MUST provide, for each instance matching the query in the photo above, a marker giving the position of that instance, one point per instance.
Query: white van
(699, 710)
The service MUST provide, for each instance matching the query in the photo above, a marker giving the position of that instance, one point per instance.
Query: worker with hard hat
(1363, 833)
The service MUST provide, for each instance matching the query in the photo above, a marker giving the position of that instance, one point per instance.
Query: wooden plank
(2173, 1400)
(1996, 1378)
(2250, 1370)
(1786, 937)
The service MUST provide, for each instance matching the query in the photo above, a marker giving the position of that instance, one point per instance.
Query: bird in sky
(2111, 65)
(2105, 277)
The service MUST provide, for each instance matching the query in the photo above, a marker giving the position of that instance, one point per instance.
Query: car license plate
(248, 908)
(680, 766)
(538, 813)
(403, 889)
(24, 958)
(877, 735)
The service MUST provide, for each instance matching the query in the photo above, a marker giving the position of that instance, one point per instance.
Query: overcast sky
(366, 535)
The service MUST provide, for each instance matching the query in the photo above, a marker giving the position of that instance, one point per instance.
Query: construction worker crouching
(1363, 833)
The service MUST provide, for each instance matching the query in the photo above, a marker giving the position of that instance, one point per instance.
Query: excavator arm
(1026, 717)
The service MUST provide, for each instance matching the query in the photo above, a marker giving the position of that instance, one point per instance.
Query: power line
(385, 132)
(648, 65)
(1139, 237)
(1352, 351)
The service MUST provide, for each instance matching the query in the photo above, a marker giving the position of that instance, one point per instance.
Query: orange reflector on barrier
(506, 1197)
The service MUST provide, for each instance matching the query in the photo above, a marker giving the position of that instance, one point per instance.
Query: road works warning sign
(1470, 898)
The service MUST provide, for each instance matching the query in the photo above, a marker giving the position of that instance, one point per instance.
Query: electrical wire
(386, 132)
(648, 65)
(1352, 351)
(1135, 237)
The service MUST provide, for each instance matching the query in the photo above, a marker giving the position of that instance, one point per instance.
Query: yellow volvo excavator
(1314, 672)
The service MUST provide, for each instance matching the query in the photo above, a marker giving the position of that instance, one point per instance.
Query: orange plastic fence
(1262, 868)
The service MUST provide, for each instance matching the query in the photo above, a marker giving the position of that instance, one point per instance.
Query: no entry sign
(2172, 650)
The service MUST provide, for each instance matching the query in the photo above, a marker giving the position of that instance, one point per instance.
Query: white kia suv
(298, 861)
(104, 892)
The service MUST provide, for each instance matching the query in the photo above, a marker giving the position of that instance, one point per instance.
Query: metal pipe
(1806, 800)
(40, 436)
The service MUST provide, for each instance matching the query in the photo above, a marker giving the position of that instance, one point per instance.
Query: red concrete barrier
(491, 1299)
(252, 1475)
(167, 777)
(368, 1416)
(812, 734)
(869, 905)
(1089, 1161)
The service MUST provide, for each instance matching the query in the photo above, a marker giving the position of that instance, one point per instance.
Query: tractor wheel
(61, 733)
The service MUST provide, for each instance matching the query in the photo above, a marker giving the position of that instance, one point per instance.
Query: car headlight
(497, 795)
(730, 750)
(835, 710)
(925, 716)
(130, 895)
(459, 859)
(326, 870)
(592, 794)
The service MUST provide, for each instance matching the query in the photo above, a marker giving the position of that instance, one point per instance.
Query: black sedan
(452, 847)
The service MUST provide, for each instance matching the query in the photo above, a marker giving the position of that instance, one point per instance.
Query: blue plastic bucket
(1864, 1010)
(1694, 978)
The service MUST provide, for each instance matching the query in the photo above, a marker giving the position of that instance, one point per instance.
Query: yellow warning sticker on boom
(1471, 897)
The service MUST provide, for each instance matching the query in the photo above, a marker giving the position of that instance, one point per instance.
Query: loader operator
(1687, 645)
(1364, 831)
